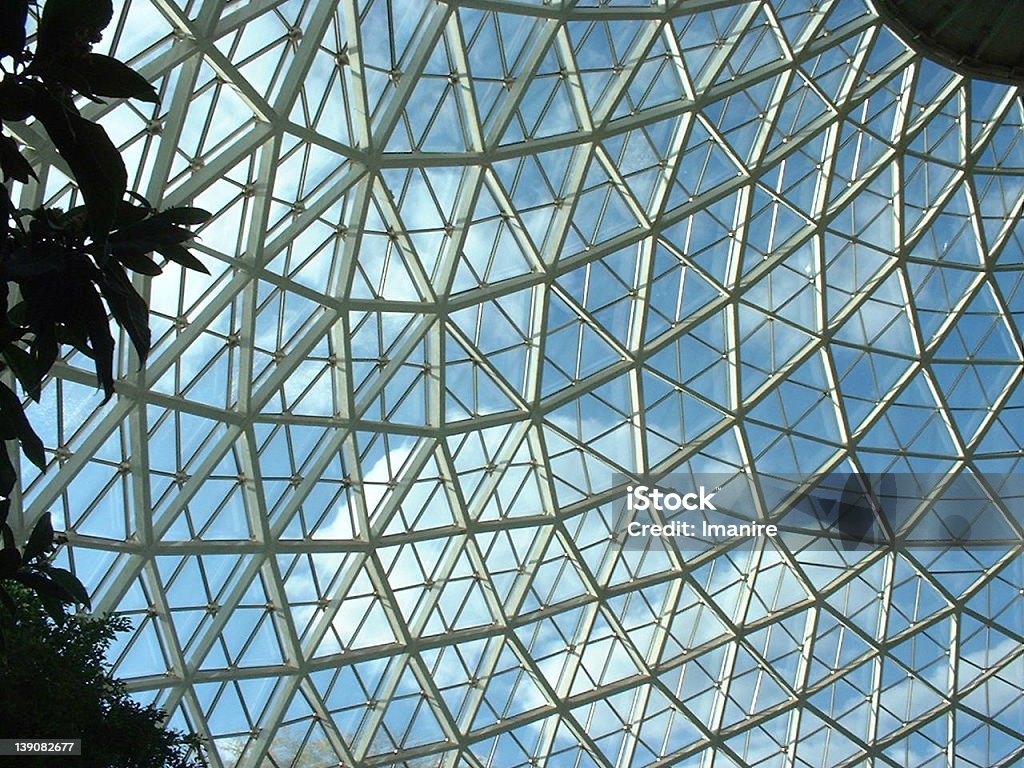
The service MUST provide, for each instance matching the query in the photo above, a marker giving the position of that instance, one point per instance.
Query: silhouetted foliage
(60, 688)
(63, 272)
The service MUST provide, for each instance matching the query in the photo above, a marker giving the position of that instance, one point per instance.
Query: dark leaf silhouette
(92, 157)
(15, 424)
(12, 164)
(41, 538)
(68, 28)
(107, 76)
(68, 266)
(13, 14)
(128, 307)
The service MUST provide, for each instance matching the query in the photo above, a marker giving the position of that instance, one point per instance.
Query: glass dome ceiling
(473, 264)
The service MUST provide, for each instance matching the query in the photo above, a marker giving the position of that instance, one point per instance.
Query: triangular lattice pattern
(471, 260)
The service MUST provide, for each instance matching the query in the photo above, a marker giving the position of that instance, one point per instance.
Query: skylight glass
(475, 267)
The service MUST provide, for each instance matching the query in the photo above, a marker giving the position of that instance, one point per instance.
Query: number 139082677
(54, 747)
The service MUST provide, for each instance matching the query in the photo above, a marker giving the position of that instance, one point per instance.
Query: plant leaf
(18, 314)
(127, 306)
(146, 235)
(109, 77)
(13, 15)
(7, 476)
(139, 262)
(187, 215)
(77, 337)
(90, 154)
(12, 164)
(128, 214)
(65, 24)
(70, 308)
(60, 75)
(97, 329)
(9, 331)
(183, 256)
(44, 351)
(13, 414)
(70, 584)
(50, 594)
(24, 367)
(15, 100)
(40, 540)
(10, 562)
(32, 260)
(6, 207)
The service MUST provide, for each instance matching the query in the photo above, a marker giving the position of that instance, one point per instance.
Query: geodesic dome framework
(471, 262)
